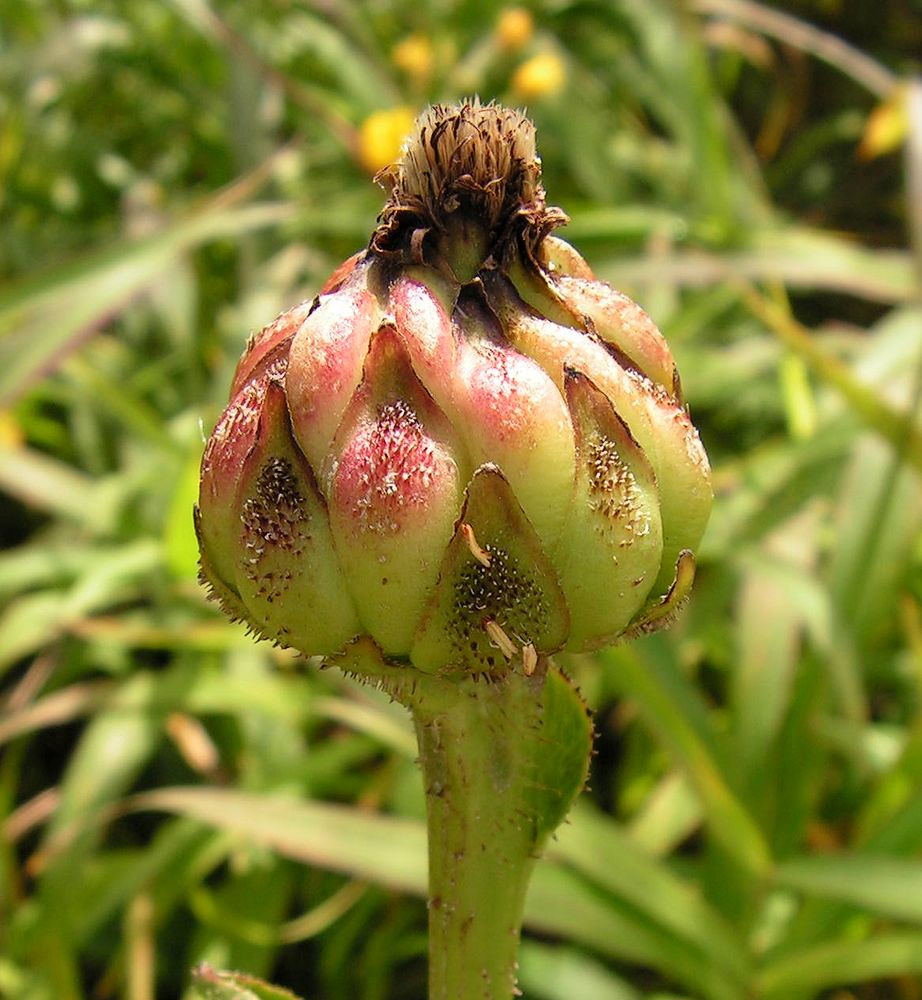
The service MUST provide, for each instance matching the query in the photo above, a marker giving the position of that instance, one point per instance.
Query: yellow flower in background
(887, 126)
(415, 56)
(381, 136)
(514, 28)
(11, 435)
(540, 76)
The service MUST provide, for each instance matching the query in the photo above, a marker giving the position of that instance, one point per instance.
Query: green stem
(497, 782)
(479, 855)
(503, 757)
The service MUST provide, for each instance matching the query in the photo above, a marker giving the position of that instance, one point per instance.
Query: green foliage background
(172, 175)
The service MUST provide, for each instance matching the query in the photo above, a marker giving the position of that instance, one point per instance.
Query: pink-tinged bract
(466, 449)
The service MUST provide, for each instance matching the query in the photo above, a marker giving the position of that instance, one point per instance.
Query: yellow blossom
(381, 137)
(514, 28)
(540, 76)
(415, 56)
(11, 435)
(887, 125)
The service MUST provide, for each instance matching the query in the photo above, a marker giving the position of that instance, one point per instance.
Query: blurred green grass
(174, 174)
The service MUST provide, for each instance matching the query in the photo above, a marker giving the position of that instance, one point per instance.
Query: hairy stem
(498, 780)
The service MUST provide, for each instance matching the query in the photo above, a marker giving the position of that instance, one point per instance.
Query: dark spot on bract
(502, 593)
(275, 519)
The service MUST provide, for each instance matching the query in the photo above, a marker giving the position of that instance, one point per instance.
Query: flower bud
(395, 490)
(466, 450)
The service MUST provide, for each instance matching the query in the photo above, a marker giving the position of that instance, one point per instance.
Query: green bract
(466, 448)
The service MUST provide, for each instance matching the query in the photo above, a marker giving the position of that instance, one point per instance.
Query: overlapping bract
(367, 428)
(460, 468)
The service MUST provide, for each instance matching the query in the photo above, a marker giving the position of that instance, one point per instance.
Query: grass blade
(838, 963)
(670, 706)
(41, 322)
(889, 886)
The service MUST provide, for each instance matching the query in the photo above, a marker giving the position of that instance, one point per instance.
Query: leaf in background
(678, 717)
(179, 534)
(634, 222)
(801, 258)
(669, 814)
(98, 889)
(70, 703)
(599, 849)
(42, 618)
(768, 627)
(673, 50)
(110, 753)
(840, 963)
(361, 80)
(897, 424)
(553, 973)
(240, 919)
(29, 622)
(889, 886)
(391, 851)
(46, 484)
(780, 604)
(878, 519)
(211, 984)
(45, 319)
(383, 849)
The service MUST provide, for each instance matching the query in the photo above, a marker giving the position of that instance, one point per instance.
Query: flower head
(381, 137)
(466, 448)
(514, 28)
(543, 75)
